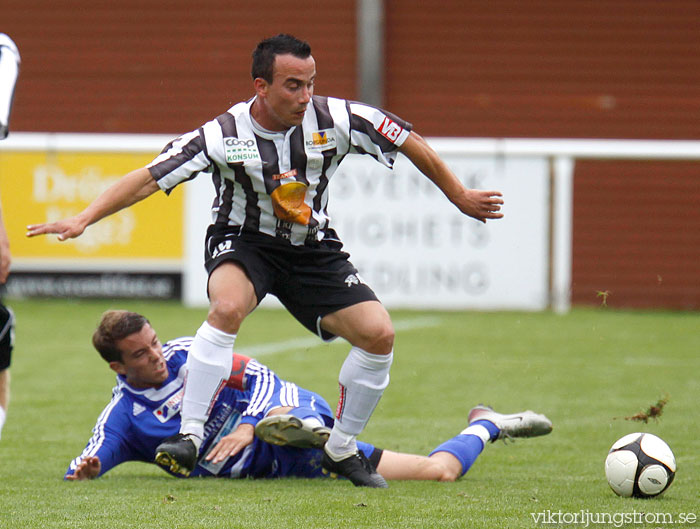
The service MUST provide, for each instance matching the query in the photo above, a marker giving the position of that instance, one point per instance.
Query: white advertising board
(412, 246)
(417, 250)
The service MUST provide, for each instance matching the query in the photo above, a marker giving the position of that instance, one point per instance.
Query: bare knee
(446, 467)
(375, 333)
(226, 315)
(445, 473)
(366, 325)
(380, 341)
(232, 297)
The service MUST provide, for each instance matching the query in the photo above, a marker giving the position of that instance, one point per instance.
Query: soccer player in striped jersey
(271, 159)
(9, 70)
(291, 424)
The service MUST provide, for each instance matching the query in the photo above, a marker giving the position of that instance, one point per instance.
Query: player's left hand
(480, 205)
(233, 443)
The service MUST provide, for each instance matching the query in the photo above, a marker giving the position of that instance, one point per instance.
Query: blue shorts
(289, 394)
(272, 461)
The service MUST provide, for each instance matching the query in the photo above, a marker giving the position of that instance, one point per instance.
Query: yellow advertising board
(45, 186)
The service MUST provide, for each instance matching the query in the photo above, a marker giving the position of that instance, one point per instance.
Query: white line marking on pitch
(310, 342)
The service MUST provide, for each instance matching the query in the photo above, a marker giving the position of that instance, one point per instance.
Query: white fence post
(562, 233)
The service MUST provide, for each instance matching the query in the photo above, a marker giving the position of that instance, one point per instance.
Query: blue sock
(466, 448)
(492, 428)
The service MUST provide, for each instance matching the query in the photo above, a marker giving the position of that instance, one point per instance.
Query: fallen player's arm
(88, 468)
(232, 443)
(480, 205)
(128, 190)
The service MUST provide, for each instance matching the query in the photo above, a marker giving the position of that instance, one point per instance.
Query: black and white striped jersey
(277, 182)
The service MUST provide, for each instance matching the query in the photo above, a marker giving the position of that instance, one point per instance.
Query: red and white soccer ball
(640, 465)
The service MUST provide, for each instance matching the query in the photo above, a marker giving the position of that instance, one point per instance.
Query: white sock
(209, 365)
(480, 431)
(344, 444)
(363, 378)
(313, 422)
(3, 414)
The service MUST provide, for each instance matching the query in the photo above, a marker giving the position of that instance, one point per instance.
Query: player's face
(142, 363)
(286, 98)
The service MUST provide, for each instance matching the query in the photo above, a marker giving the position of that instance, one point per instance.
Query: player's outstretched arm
(481, 205)
(128, 190)
(88, 468)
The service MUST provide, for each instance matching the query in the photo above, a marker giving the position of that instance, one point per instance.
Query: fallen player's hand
(233, 443)
(88, 468)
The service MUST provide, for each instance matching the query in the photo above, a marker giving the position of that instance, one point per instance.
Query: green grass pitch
(586, 370)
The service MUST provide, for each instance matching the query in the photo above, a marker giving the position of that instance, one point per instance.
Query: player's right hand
(88, 468)
(65, 229)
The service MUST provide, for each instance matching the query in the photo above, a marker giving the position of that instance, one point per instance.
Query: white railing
(486, 154)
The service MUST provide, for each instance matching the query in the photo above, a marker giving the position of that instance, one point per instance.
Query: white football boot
(523, 424)
(288, 430)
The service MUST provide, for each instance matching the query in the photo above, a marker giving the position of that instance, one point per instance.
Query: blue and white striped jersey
(136, 421)
(252, 168)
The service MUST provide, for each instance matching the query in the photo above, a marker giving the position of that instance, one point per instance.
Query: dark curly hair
(115, 325)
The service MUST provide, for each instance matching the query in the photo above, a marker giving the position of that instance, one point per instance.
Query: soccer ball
(640, 465)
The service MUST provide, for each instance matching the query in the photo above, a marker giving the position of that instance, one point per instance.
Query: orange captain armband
(237, 378)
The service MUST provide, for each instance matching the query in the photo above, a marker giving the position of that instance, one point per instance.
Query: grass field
(585, 370)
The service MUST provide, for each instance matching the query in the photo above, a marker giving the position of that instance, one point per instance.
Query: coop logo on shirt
(170, 407)
(390, 130)
(320, 140)
(239, 150)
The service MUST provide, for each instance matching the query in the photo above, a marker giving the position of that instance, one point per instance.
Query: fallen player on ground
(260, 426)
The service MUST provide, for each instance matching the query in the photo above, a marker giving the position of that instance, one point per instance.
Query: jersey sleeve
(181, 160)
(261, 383)
(376, 132)
(109, 440)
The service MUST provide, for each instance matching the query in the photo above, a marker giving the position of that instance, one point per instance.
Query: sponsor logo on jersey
(390, 130)
(288, 174)
(320, 140)
(312, 234)
(170, 407)
(239, 150)
(138, 409)
(283, 230)
(225, 422)
(315, 163)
